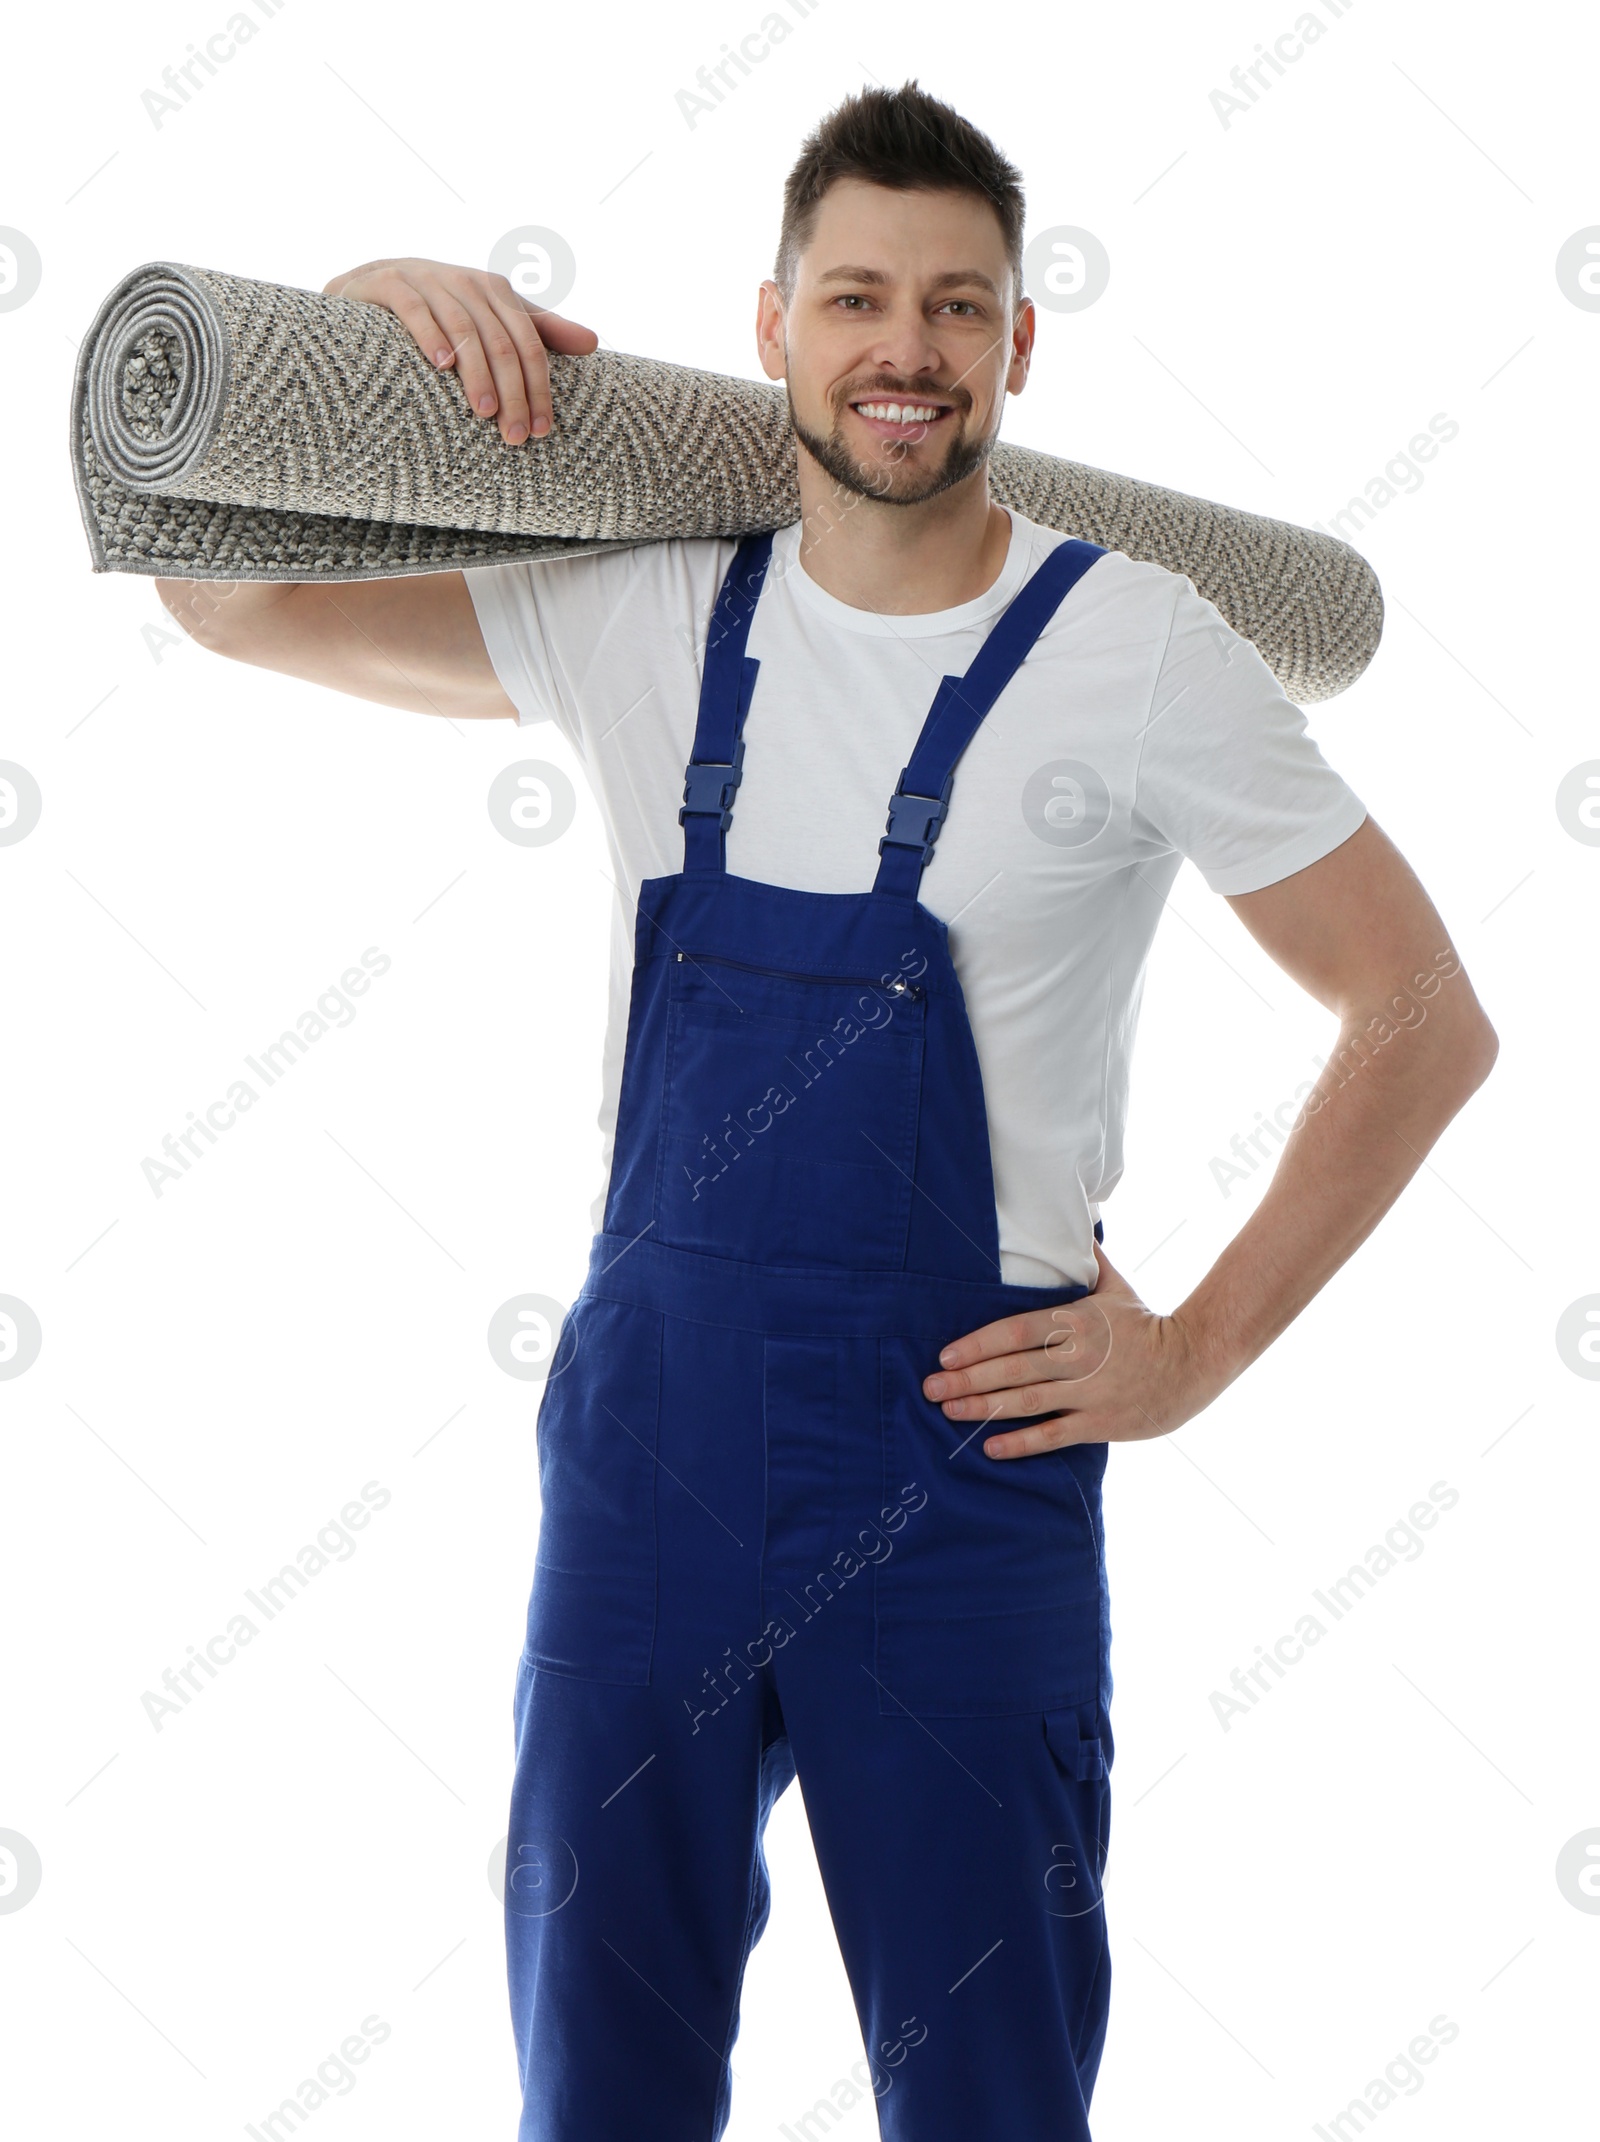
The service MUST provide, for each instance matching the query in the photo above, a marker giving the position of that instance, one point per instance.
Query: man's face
(899, 344)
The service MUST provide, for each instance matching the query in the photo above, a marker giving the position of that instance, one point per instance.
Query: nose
(904, 344)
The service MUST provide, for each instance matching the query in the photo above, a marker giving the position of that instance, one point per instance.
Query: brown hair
(905, 139)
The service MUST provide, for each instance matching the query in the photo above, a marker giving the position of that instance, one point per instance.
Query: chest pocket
(789, 1116)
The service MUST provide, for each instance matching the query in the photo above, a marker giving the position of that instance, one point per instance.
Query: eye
(852, 297)
(966, 304)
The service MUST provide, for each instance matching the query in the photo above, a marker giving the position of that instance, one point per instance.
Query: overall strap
(920, 803)
(716, 765)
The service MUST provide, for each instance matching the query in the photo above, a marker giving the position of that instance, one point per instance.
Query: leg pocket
(1072, 1881)
(593, 1610)
(1079, 1749)
(993, 1602)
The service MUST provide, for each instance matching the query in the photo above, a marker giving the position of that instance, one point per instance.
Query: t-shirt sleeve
(566, 636)
(1228, 774)
(543, 622)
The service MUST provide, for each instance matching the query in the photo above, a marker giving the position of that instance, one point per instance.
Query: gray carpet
(224, 429)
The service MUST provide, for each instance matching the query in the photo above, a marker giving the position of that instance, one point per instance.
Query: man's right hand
(466, 317)
(411, 640)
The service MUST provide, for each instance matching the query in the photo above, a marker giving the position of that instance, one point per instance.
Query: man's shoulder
(1138, 590)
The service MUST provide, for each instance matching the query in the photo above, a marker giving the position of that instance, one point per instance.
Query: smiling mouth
(896, 418)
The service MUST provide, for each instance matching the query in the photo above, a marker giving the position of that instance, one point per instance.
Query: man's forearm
(1382, 1100)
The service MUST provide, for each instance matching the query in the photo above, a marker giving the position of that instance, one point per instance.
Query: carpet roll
(228, 429)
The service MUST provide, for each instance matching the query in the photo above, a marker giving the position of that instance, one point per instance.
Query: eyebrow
(955, 278)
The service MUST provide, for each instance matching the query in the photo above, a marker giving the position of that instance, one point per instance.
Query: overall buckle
(914, 821)
(708, 787)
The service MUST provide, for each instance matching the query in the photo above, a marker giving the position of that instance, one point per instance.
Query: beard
(892, 479)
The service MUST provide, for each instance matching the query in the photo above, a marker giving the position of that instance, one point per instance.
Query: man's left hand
(1118, 1371)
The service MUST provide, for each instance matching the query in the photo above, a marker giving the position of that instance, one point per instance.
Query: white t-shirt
(1141, 729)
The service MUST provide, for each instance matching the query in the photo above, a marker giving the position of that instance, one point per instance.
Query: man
(822, 1445)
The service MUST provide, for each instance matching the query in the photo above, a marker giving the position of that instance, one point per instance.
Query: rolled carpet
(227, 429)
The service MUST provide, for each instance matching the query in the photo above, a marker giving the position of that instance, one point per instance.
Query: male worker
(821, 1454)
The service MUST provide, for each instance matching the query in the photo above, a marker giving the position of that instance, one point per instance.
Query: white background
(1292, 297)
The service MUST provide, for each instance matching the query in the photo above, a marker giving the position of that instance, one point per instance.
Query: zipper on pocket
(899, 987)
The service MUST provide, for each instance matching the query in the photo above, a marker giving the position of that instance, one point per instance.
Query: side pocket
(593, 1610)
(993, 1602)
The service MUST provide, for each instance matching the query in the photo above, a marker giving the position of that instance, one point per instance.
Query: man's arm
(1358, 932)
(410, 642)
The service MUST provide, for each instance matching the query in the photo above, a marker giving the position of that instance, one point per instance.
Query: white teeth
(895, 413)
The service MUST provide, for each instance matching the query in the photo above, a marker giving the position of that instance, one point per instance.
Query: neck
(901, 560)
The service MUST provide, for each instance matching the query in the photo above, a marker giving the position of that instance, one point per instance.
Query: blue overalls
(763, 1552)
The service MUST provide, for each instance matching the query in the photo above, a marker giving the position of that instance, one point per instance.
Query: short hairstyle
(905, 139)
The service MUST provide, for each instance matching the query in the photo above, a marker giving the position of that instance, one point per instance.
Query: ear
(770, 324)
(1022, 333)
